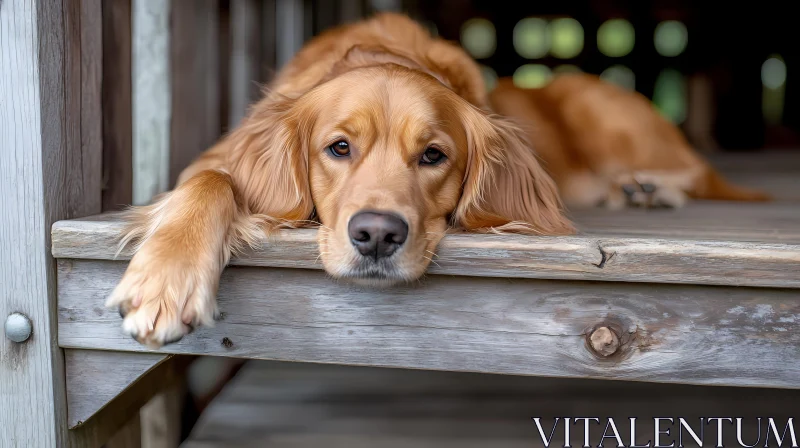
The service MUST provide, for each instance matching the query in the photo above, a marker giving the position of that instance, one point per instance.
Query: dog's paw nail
(629, 190)
(173, 340)
(122, 311)
(648, 188)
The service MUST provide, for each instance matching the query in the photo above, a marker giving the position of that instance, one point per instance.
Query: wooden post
(195, 92)
(151, 98)
(129, 436)
(117, 105)
(269, 35)
(49, 153)
(290, 20)
(245, 58)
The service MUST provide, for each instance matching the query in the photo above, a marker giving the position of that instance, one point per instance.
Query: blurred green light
(615, 37)
(620, 75)
(479, 38)
(531, 39)
(773, 77)
(566, 35)
(773, 72)
(669, 95)
(671, 38)
(531, 76)
(489, 77)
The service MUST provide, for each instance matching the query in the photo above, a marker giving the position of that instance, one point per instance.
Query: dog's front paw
(162, 299)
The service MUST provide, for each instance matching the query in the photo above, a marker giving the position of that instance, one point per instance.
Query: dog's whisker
(432, 253)
(431, 260)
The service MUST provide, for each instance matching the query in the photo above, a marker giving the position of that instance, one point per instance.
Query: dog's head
(388, 157)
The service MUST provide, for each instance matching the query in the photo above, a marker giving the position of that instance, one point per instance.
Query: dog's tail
(712, 186)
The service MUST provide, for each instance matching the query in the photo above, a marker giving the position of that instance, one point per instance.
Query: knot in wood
(604, 341)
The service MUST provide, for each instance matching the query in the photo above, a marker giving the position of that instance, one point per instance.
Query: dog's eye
(340, 149)
(432, 156)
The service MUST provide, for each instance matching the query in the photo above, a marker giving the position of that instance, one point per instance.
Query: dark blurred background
(725, 74)
(731, 64)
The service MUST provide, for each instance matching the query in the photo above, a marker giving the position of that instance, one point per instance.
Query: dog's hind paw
(644, 192)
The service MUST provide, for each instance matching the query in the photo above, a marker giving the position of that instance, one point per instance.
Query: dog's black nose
(376, 234)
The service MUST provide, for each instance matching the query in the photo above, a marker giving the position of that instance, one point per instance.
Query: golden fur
(390, 91)
(594, 137)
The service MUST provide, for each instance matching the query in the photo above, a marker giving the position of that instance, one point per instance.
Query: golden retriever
(378, 133)
(605, 145)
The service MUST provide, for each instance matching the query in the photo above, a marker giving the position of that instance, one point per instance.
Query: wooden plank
(671, 257)
(45, 166)
(30, 371)
(125, 407)
(245, 57)
(83, 122)
(269, 45)
(776, 222)
(773, 171)
(161, 418)
(152, 108)
(672, 333)
(117, 105)
(95, 378)
(290, 21)
(195, 91)
(343, 406)
(129, 436)
(91, 106)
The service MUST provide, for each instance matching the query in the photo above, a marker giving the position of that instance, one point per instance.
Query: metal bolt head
(18, 327)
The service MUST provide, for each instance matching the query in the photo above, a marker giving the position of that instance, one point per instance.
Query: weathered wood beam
(670, 333)
(95, 378)
(50, 163)
(668, 254)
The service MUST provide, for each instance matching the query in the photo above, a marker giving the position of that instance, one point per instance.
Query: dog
(604, 145)
(379, 134)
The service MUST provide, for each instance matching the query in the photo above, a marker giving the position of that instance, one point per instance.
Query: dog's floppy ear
(506, 189)
(269, 162)
(368, 55)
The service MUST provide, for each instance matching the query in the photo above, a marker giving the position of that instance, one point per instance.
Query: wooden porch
(665, 302)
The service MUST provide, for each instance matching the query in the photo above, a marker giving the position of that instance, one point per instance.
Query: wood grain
(91, 107)
(119, 412)
(161, 418)
(290, 30)
(46, 165)
(94, 378)
(245, 58)
(194, 72)
(151, 97)
(672, 333)
(82, 102)
(117, 105)
(674, 247)
(269, 35)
